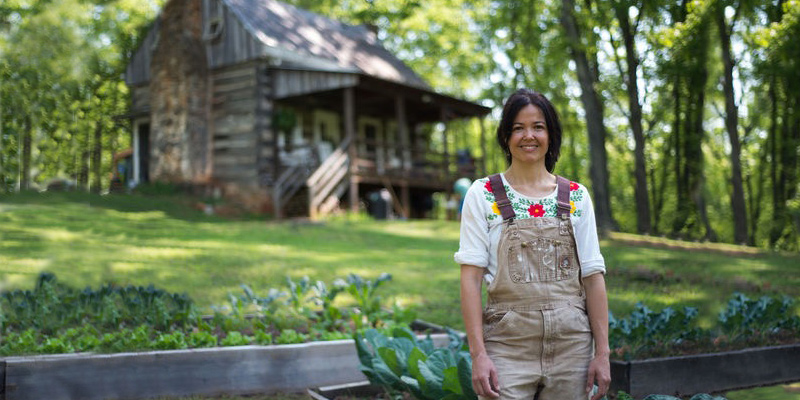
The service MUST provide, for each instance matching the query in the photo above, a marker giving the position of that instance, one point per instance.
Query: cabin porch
(365, 134)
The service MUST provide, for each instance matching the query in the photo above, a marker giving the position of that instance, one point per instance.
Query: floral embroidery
(527, 208)
(536, 210)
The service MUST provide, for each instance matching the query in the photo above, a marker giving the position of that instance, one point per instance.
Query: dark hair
(511, 108)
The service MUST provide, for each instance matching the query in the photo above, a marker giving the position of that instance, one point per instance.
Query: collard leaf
(465, 378)
(364, 355)
(433, 380)
(387, 377)
(413, 386)
(389, 357)
(375, 338)
(402, 345)
(414, 359)
(441, 359)
(404, 332)
(451, 382)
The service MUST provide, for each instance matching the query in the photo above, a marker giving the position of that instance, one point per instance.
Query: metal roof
(283, 28)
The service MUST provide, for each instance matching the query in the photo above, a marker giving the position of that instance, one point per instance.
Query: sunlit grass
(89, 240)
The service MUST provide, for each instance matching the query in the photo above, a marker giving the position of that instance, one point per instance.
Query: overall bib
(536, 330)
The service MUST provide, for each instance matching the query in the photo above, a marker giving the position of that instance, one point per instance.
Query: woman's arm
(597, 308)
(484, 375)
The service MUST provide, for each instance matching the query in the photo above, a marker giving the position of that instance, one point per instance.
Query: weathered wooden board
(227, 370)
(707, 373)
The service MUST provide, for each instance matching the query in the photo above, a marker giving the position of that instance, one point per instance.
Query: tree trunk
(83, 169)
(97, 153)
(680, 216)
(635, 119)
(731, 125)
(594, 120)
(775, 158)
(25, 170)
(695, 154)
(178, 90)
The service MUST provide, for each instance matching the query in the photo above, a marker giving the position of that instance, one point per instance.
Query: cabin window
(212, 15)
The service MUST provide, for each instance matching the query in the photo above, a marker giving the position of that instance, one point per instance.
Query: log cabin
(289, 112)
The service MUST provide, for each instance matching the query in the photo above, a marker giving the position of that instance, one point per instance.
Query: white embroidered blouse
(481, 225)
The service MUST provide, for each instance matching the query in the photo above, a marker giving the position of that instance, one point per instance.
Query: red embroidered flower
(573, 186)
(489, 187)
(537, 210)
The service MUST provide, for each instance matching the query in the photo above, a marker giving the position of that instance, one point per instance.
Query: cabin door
(370, 131)
(327, 134)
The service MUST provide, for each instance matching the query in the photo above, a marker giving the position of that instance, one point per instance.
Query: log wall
(233, 117)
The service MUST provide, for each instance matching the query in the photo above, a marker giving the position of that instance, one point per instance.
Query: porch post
(349, 129)
(137, 156)
(402, 128)
(483, 171)
(446, 161)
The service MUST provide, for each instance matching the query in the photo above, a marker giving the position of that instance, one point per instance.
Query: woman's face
(529, 138)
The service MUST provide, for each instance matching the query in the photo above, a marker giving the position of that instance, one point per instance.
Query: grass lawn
(128, 239)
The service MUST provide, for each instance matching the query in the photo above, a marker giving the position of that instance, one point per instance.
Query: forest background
(683, 117)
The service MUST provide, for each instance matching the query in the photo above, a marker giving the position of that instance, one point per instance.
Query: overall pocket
(541, 260)
(494, 321)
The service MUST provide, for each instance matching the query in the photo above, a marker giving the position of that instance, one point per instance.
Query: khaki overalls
(536, 329)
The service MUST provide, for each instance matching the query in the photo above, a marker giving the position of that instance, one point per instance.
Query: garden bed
(701, 373)
(212, 371)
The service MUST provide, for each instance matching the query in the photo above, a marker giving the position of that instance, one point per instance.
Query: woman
(531, 236)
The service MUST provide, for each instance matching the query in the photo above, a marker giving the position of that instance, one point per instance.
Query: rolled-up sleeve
(473, 246)
(592, 261)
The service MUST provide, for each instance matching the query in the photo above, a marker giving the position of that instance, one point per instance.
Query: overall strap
(500, 196)
(564, 207)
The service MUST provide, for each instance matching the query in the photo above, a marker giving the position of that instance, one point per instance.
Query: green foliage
(402, 363)
(236, 339)
(54, 318)
(746, 317)
(699, 396)
(311, 307)
(289, 336)
(51, 306)
(199, 339)
(645, 328)
(742, 321)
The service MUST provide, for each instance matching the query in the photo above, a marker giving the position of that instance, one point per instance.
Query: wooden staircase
(328, 183)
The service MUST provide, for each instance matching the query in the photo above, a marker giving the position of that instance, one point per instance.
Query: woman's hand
(484, 376)
(600, 373)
